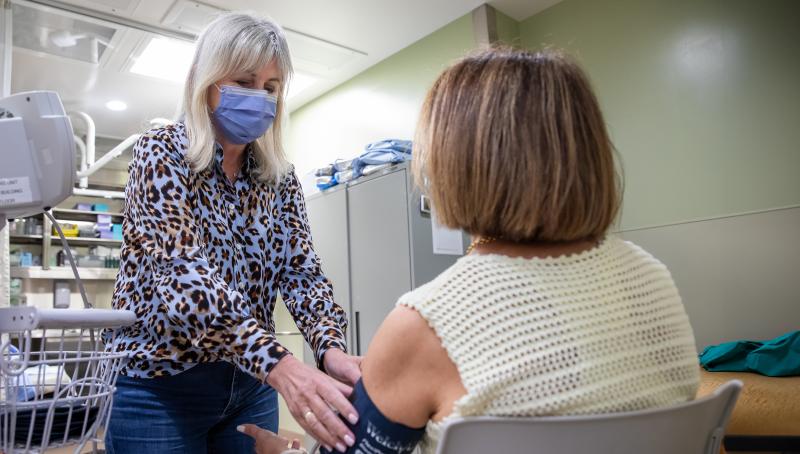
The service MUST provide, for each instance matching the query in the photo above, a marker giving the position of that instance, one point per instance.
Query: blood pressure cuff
(376, 434)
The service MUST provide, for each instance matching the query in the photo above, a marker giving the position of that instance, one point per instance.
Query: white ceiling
(374, 28)
(521, 9)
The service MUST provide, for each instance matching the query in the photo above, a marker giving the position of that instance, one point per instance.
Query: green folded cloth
(779, 357)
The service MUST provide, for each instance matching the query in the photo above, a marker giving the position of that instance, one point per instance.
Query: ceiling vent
(190, 17)
(42, 30)
(117, 7)
(318, 56)
(310, 54)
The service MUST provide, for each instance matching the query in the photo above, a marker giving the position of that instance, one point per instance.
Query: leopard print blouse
(203, 261)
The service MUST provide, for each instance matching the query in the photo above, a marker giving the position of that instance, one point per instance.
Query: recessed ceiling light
(165, 58)
(116, 105)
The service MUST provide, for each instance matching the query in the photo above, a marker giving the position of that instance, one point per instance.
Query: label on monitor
(15, 191)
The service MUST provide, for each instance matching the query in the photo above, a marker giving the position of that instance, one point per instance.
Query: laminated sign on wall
(445, 241)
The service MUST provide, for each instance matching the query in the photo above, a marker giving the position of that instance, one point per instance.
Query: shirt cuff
(267, 368)
(326, 345)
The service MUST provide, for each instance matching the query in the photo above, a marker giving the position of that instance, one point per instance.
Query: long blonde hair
(231, 43)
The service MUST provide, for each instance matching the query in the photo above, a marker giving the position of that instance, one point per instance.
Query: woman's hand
(311, 395)
(341, 366)
(266, 441)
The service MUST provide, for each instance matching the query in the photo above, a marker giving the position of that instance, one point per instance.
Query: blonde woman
(215, 229)
(547, 314)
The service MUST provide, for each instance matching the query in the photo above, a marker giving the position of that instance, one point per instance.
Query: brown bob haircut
(512, 144)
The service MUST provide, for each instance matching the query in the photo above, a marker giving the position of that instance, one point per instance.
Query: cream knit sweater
(597, 332)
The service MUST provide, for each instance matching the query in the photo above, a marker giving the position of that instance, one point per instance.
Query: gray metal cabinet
(328, 220)
(375, 244)
(380, 261)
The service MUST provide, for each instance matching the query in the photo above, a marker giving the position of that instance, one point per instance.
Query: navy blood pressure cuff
(375, 434)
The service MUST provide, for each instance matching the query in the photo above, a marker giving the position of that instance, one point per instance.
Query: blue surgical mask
(243, 114)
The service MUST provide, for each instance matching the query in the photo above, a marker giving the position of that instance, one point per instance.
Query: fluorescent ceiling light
(165, 58)
(116, 105)
(299, 83)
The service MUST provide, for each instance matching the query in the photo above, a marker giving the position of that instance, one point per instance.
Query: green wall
(702, 99)
(382, 102)
(507, 29)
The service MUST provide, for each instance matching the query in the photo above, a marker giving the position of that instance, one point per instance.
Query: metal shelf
(68, 214)
(61, 272)
(26, 239)
(55, 335)
(74, 240)
(85, 241)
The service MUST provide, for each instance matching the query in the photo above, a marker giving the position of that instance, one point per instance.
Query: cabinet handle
(358, 332)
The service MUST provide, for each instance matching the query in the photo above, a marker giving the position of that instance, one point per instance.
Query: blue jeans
(196, 411)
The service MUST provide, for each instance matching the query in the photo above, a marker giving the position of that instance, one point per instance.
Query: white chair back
(695, 427)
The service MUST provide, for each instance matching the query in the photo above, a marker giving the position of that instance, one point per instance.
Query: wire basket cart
(58, 370)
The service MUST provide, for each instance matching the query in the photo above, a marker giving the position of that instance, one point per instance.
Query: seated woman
(548, 314)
